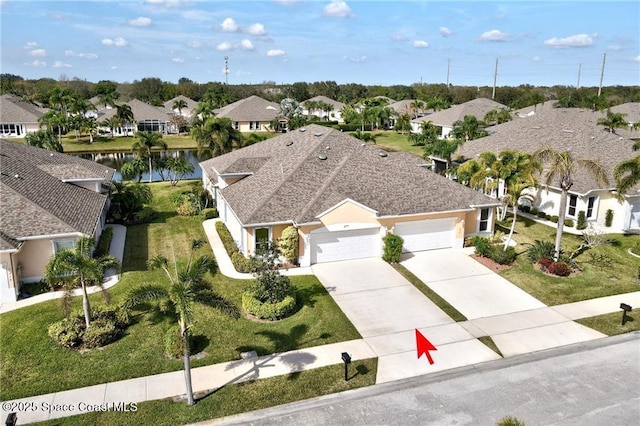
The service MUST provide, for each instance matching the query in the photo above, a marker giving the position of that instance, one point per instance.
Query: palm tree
(76, 267)
(134, 169)
(441, 148)
(403, 123)
(311, 106)
(146, 141)
(364, 136)
(428, 134)
(177, 169)
(613, 121)
(179, 104)
(560, 170)
(111, 122)
(498, 116)
(437, 103)
(54, 120)
(187, 287)
(416, 108)
(125, 115)
(217, 135)
(127, 199)
(108, 99)
(627, 174)
(468, 128)
(44, 139)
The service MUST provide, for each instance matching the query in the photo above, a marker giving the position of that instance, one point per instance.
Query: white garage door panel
(345, 245)
(426, 234)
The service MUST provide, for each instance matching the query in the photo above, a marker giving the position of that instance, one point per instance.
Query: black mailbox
(346, 358)
(625, 307)
(12, 419)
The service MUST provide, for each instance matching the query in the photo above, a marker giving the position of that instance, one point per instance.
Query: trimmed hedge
(102, 249)
(568, 222)
(392, 248)
(608, 218)
(226, 238)
(243, 264)
(582, 220)
(270, 311)
(210, 213)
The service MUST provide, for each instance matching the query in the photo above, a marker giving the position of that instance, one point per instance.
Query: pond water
(117, 159)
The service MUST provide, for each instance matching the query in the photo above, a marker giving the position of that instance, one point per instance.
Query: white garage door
(428, 234)
(345, 245)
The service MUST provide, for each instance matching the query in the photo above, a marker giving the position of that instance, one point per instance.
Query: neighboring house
(446, 117)
(407, 106)
(576, 130)
(147, 118)
(334, 115)
(631, 111)
(17, 118)
(343, 196)
(252, 114)
(186, 111)
(49, 199)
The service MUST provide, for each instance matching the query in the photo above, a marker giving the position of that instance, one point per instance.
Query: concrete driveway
(386, 309)
(516, 321)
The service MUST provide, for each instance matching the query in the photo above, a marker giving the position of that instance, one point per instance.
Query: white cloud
(445, 32)
(195, 44)
(224, 46)
(355, 58)
(141, 22)
(275, 52)
(287, 2)
(60, 64)
(637, 58)
(578, 40)
(537, 58)
(165, 3)
(38, 63)
(494, 35)
(31, 45)
(178, 60)
(337, 9)
(114, 67)
(229, 26)
(118, 41)
(420, 44)
(246, 45)
(38, 52)
(256, 29)
(71, 53)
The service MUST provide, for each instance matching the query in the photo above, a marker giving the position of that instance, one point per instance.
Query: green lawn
(611, 324)
(32, 364)
(618, 275)
(393, 141)
(238, 398)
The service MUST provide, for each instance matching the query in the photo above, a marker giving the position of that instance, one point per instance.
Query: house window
(590, 205)
(257, 125)
(63, 245)
(262, 238)
(483, 222)
(236, 125)
(573, 202)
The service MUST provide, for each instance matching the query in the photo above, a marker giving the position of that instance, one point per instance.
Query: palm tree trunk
(561, 215)
(187, 367)
(85, 305)
(513, 227)
(150, 169)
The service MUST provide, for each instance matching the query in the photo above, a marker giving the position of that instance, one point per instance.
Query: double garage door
(431, 234)
(345, 245)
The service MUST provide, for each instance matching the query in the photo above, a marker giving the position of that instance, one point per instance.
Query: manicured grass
(238, 398)
(31, 364)
(618, 275)
(611, 324)
(488, 341)
(427, 291)
(119, 143)
(393, 141)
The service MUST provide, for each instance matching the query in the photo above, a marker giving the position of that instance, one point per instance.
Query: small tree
(392, 248)
(289, 244)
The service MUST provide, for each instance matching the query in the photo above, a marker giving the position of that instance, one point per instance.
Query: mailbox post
(346, 358)
(625, 308)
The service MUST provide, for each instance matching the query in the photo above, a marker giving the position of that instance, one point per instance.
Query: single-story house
(17, 117)
(446, 117)
(49, 199)
(191, 105)
(342, 195)
(146, 117)
(576, 130)
(252, 114)
(334, 114)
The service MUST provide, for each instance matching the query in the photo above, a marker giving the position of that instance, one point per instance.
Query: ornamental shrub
(68, 332)
(582, 220)
(541, 215)
(534, 211)
(173, 342)
(147, 214)
(101, 333)
(482, 245)
(108, 325)
(501, 256)
(210, 213)
(568, 222)
(271, 287)
(288, 244)
(186, 209)
(608, 218)
(541, 249)
(266, 310)
(545, 262)
(243, 264)
(392, 248)
(553, 219)
(560, 269)
(226, 238)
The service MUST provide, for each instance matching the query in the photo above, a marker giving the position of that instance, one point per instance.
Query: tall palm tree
(217, 135)
(54, 120)
(469, 128)
(76, 267)
(498, 116)
(187, 286)
(311, 106)
(146, 141)
(403, 123)
(428, 134)
(613, 121)
(44, 138)
(108, 98)
(560, 168)
(627, 174)
(179, 104)
(125, 115)
(111, 122)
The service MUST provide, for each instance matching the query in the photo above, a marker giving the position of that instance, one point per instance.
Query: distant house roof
(37, 198)
(141, 111)
(15, 110)
(337, 106)
(191, 104)
(534, 109)
(476, 107)
(405, 106)
(289, 179)
(631, 111)
(562, 129)
(253, 108)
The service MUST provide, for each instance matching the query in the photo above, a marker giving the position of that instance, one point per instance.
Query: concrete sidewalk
(111, 277)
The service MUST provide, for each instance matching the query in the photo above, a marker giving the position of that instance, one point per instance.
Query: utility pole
(579, 71)
(448, 68)
(495, 78)
(604, 58)
(226, 70)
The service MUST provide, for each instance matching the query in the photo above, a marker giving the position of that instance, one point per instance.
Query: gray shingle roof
(288, 181)
(141, 111)
(562, 129)
(253, 108)
(36, 202)
(191, 104)
(476, 107)
(15, 110)
(337, 106)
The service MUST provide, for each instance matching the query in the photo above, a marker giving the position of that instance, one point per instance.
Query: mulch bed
(489, 263)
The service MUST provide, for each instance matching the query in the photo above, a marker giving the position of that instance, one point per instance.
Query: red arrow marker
(424, 346)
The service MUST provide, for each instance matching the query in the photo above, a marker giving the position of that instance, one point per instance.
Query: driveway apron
(516, 321)
(386, 309)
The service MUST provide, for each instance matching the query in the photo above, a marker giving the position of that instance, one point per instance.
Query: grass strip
(488, 341)
(611, 324)
(238, 398)
(427, 291)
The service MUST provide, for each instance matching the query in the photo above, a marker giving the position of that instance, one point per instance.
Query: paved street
(592, 383)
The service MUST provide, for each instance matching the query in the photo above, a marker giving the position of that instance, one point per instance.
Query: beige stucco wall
(349, 213)
(33, 257)
(276, 233)
(244, 126)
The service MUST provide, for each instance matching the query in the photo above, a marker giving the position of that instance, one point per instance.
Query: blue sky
(286, 41)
